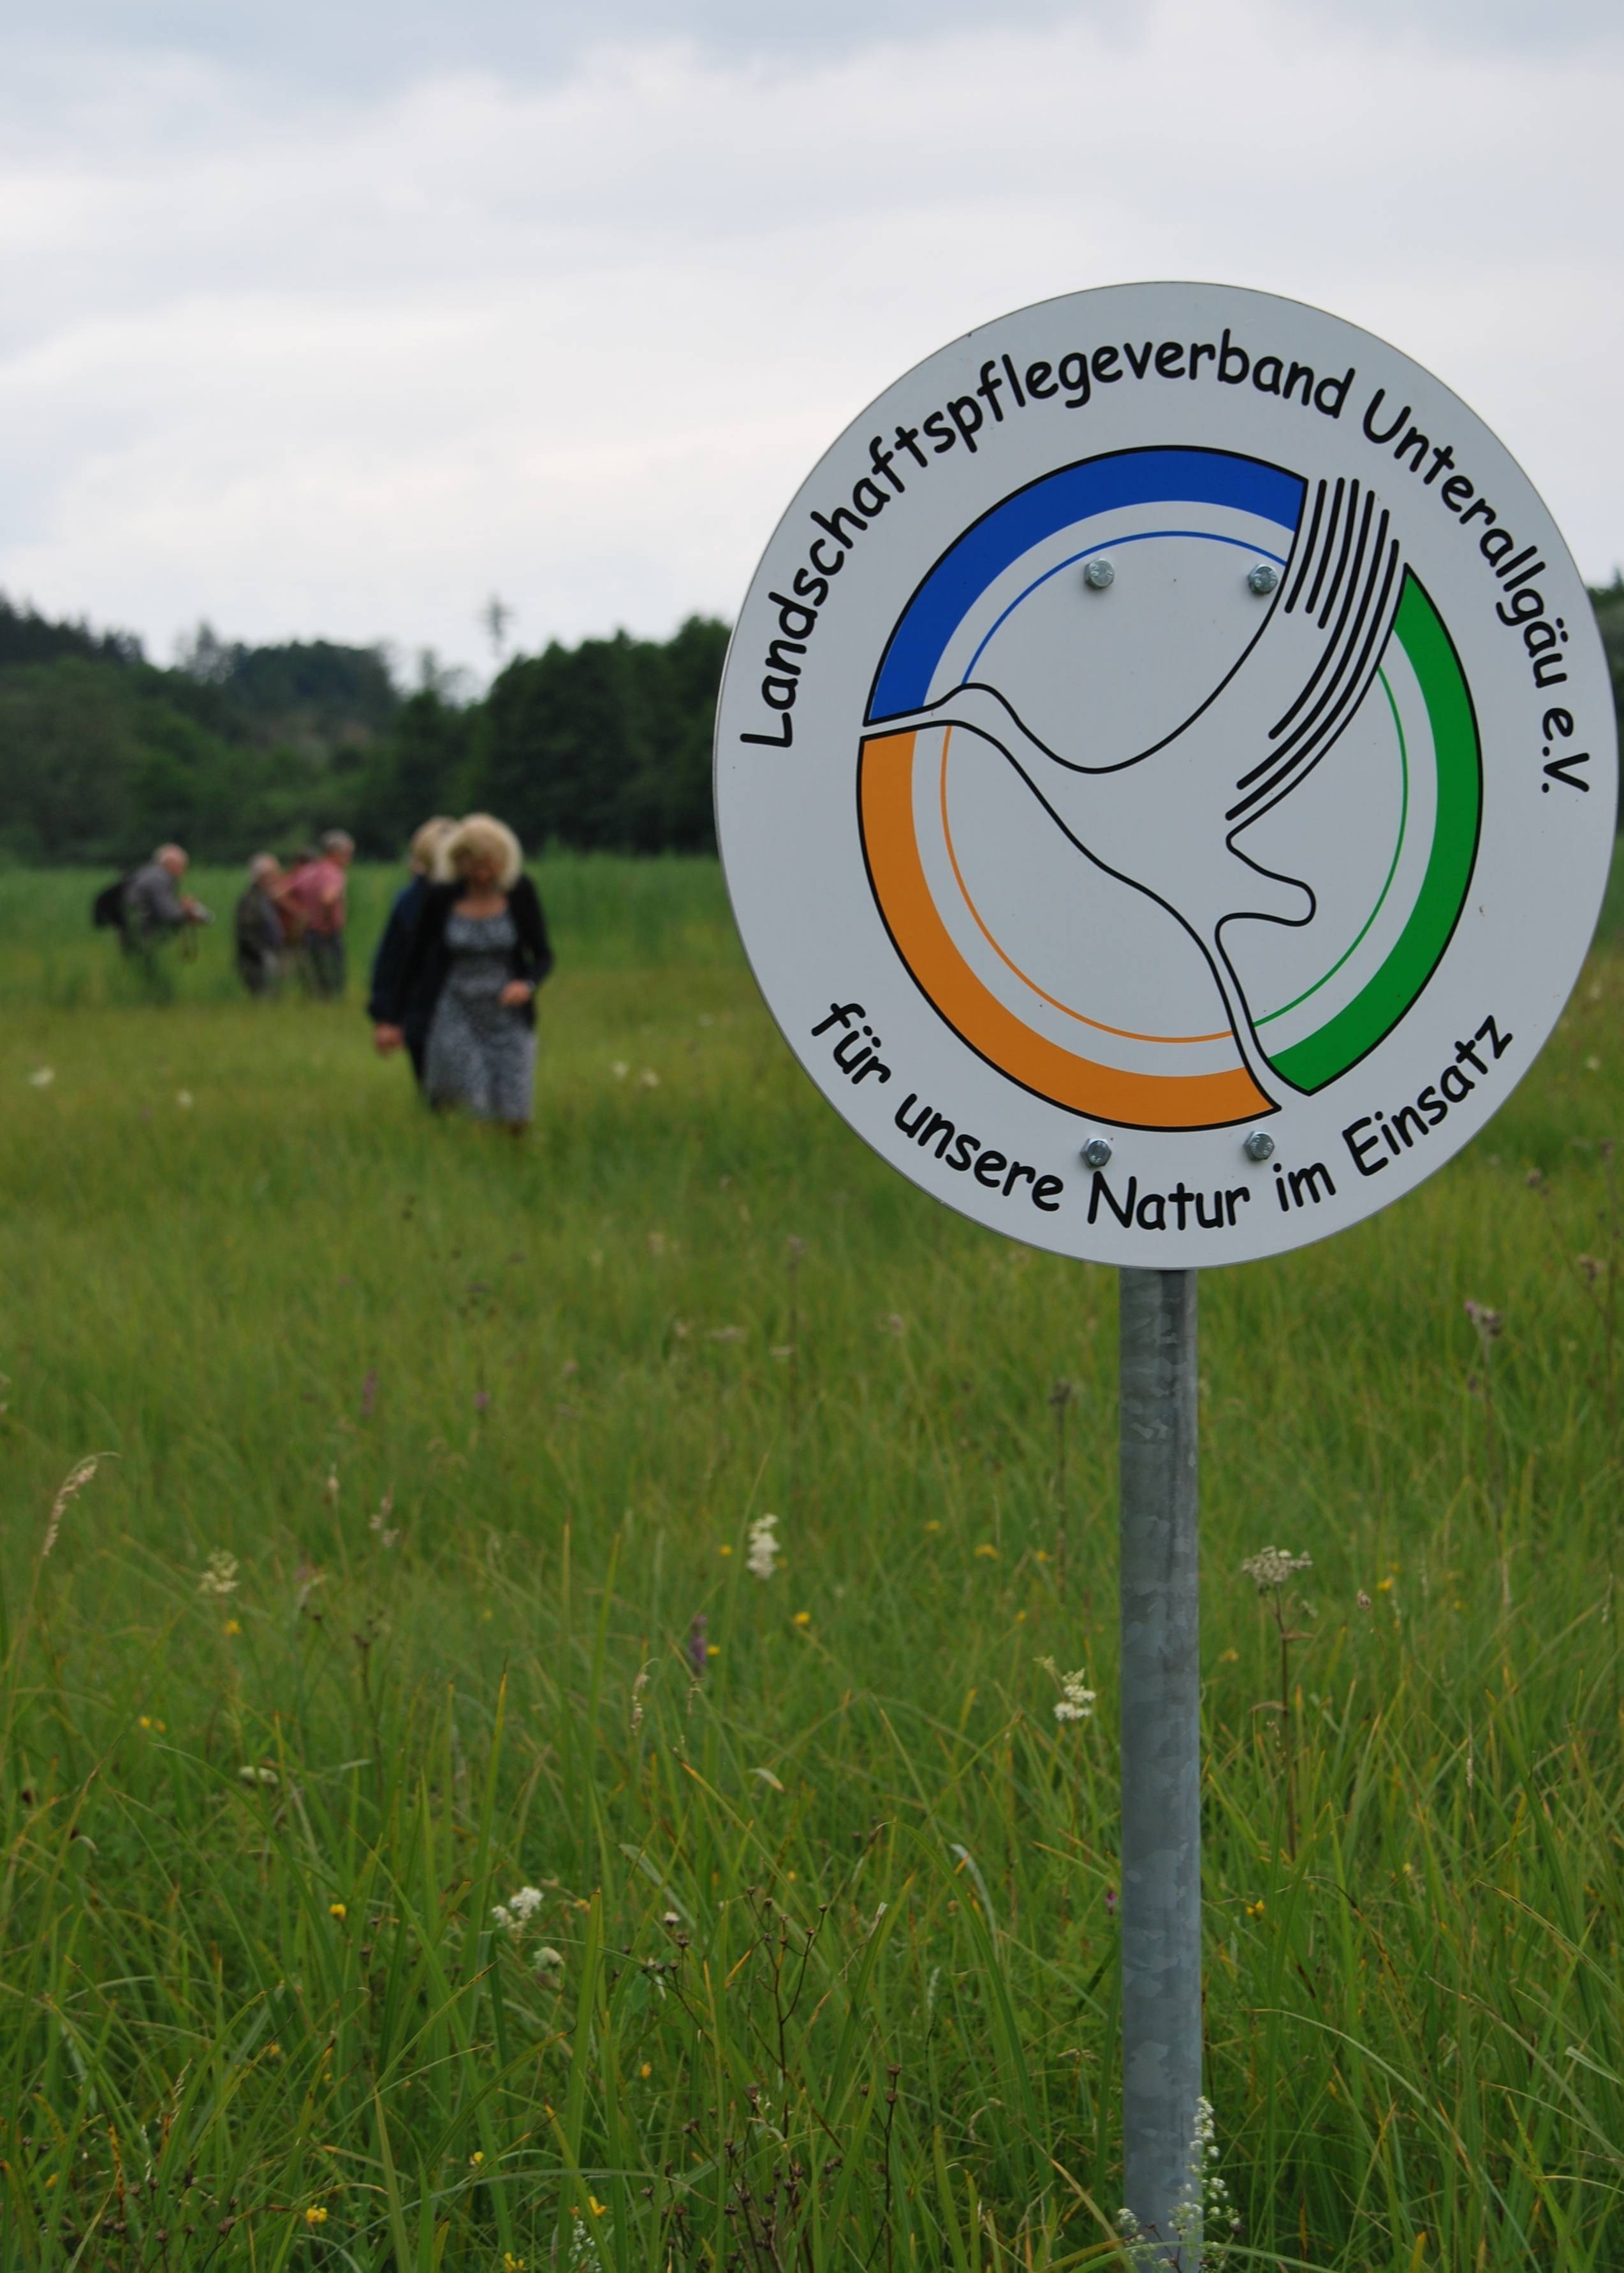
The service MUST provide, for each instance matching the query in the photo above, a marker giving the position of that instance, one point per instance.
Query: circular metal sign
(1165, 775)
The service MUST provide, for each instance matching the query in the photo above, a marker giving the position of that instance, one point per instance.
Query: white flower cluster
(515, 1913)
(1204, 2207)
(764, 1550)
(1203, 2213)
(258, 1775)
(221, 1576)
(1273, 1566)
(1076, 1701)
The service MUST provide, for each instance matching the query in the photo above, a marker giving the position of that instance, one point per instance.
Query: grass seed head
(68, 1490)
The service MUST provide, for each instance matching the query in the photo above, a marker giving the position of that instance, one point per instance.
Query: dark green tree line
(102, 755)
(605, 745)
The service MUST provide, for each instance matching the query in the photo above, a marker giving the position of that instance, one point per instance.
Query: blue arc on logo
(1056, 501)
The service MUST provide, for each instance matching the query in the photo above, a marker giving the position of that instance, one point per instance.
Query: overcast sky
(329, 316)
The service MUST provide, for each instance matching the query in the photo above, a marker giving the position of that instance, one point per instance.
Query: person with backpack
(153, 907)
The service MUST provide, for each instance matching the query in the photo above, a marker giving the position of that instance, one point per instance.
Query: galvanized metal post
(1161, 1762)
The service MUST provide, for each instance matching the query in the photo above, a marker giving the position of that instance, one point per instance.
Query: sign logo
(1314, 905)
(1164, 774)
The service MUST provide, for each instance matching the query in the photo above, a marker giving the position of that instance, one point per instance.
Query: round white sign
(1165, 774)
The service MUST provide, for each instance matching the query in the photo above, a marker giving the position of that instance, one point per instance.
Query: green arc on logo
(1387, 995)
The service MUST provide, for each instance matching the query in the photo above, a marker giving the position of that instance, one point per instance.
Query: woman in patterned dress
(478, 953)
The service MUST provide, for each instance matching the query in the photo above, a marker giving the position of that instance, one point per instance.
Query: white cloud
(347, 365)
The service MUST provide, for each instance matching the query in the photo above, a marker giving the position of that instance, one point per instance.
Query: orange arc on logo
(1134, 1100)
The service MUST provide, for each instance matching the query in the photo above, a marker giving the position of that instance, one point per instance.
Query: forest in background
(603, 747)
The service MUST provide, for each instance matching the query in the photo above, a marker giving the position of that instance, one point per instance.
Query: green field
(822, 1972)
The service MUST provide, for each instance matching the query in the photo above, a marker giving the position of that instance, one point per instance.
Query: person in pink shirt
(316, 890)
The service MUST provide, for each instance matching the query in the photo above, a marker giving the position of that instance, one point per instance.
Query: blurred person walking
(479, 953)
(424, 859)
(258, 927)
(154, 908)
(316, 890)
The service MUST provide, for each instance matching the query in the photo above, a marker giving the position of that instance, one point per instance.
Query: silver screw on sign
(1263, 578)
(1098, 574)
(1096, 1152)
(1260, 1145)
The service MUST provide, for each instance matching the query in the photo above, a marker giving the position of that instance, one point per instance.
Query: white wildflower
(515, 1913)
(1076, 1700)
(41, 1077)
(258, 1775)
(378, 1522)
(1273, 1566)
(548, 1960)
(764, 1550)
(583, 2252)
(1204, 2206)
(221, 1576)
(185, 1099)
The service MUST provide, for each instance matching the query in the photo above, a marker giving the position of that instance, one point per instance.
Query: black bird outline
(1307, 670)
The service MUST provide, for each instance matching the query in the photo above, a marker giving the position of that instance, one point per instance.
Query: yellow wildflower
(802, 1618)
(316, 2214)
(337, 1910)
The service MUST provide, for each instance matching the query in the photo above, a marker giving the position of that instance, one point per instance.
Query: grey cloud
(363, 48)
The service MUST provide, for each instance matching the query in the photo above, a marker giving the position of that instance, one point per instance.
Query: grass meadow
(413, 1573)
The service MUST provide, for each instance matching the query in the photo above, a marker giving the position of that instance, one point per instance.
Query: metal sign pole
(1161, 1762)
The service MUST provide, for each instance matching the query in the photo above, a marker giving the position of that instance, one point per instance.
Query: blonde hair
(480, 835)
(427, 845)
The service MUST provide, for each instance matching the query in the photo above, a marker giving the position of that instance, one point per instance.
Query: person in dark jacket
(258, 926)
(389, 962)
(478, 953)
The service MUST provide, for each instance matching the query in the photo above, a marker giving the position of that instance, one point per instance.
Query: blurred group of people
(293, 920)
(455, 978)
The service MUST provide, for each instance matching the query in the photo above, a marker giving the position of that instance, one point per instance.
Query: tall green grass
(823, 1968)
